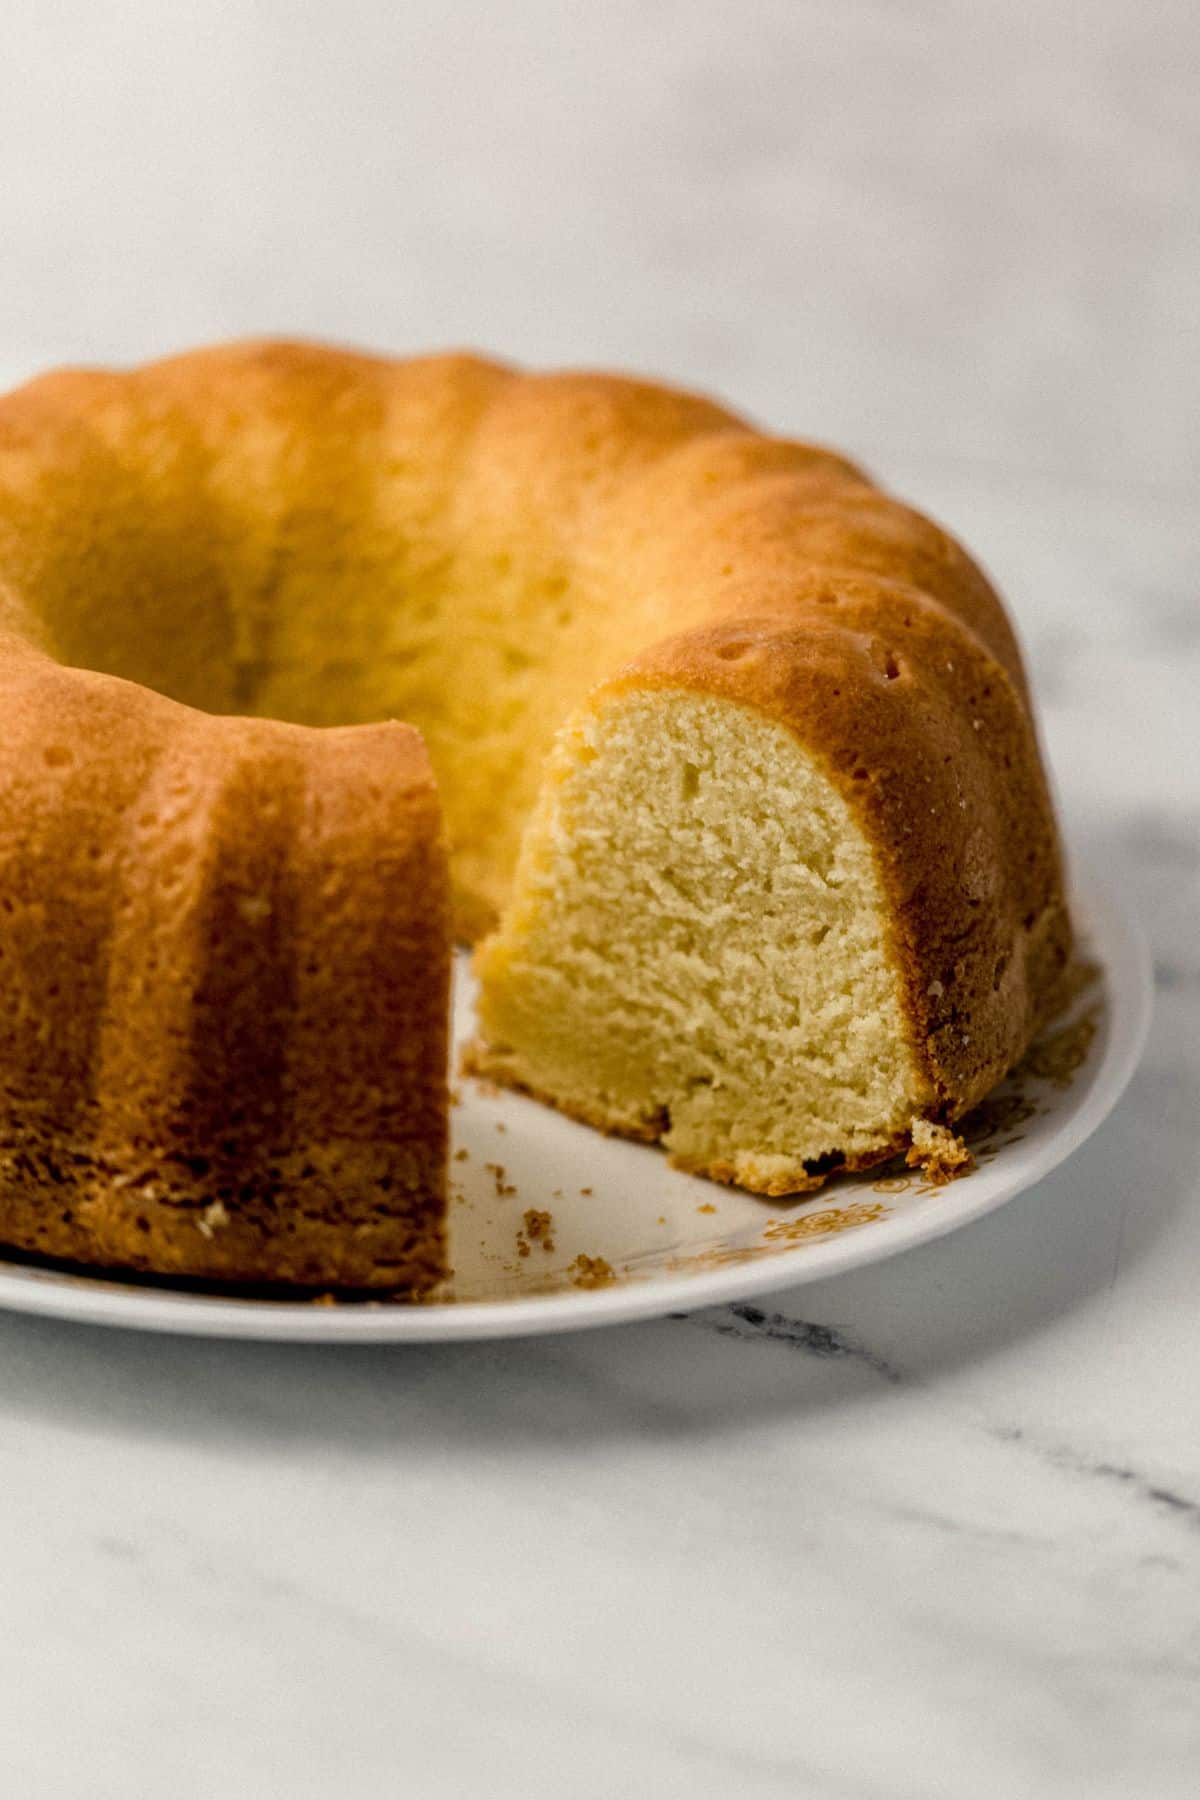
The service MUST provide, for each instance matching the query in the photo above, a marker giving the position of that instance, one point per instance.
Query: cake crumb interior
(695, 948)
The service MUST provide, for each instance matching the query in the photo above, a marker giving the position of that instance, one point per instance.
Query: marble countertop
(926, 1532)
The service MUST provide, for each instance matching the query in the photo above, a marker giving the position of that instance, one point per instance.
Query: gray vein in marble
(750, 1324)
(1140, 1485)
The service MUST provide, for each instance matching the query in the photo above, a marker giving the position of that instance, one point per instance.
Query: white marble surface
(934, 1531)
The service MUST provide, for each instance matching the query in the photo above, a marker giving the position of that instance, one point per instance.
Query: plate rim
(76, 1297)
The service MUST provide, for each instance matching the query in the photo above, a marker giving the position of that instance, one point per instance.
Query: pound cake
(737, 788)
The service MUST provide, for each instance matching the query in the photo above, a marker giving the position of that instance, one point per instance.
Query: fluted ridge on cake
(241, 1077)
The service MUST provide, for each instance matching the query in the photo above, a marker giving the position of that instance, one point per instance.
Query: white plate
(671, 1241)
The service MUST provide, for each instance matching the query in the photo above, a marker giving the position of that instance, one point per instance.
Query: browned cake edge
(225, 990)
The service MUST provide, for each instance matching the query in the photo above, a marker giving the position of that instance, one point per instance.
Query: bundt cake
(735, 758)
